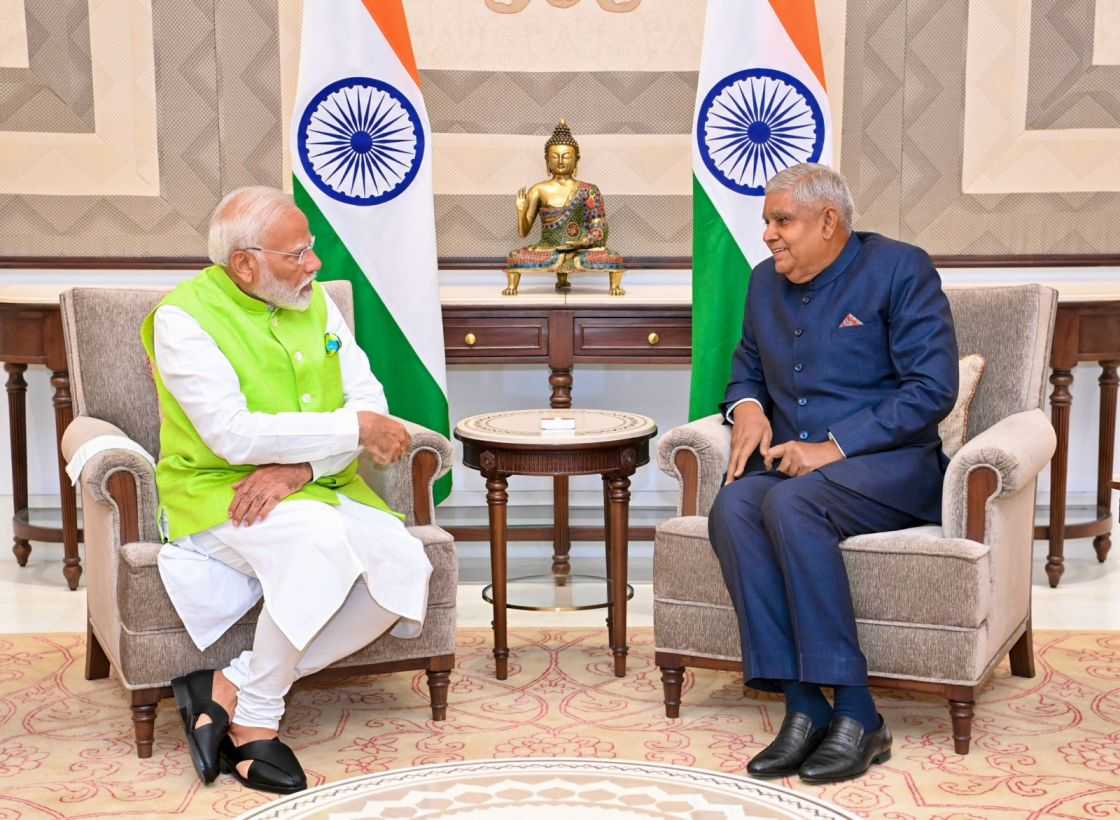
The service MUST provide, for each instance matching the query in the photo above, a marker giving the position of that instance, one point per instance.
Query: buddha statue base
(563, 264)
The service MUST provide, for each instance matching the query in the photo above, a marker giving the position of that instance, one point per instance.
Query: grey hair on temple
(241, 217)
(811, 183)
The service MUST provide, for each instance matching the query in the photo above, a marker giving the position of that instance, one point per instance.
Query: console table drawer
(468, 338)
(632, 336)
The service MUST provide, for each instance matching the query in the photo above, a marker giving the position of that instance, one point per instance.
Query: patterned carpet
(1046, 747)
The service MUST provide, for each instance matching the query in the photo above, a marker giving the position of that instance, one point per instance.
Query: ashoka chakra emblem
(360, 141)
(755, 123)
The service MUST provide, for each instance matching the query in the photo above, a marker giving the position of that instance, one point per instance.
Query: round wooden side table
(607, 442)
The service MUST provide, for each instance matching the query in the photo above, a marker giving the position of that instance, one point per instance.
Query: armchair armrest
(406, 485)
(696, 454)
(1001, 461)
(118, 477)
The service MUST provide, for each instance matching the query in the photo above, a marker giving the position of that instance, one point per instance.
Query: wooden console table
(563, 337)
(31, 333)
(1084, 332)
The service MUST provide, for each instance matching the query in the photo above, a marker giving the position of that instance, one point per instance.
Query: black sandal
(193, 695)
(274, 767)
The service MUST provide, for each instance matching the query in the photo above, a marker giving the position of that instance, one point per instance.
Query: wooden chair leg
(1022, 654)
(961, 713)
(144, 704)
(97, 662)
(439, 679)
(672, 678)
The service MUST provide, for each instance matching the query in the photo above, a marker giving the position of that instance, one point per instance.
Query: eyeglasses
(300, 255)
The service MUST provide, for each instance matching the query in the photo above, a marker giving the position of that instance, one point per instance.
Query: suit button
(298, 356)
(806, 300)
(802, 402)
(803, 435)
(798, 332)
(306, 398)
(798, 367)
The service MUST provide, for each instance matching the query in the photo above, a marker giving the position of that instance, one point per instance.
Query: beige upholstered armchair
(937, 607)
(132, 625)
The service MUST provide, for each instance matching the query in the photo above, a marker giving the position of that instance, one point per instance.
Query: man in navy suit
(847, 363)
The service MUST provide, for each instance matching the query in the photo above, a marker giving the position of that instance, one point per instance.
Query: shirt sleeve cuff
(730, 414)
(832, 438)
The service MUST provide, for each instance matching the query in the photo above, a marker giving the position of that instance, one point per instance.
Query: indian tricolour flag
(761, 106)
(362, 165)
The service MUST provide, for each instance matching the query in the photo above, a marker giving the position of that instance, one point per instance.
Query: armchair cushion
(908, 576)
(954, 427)
(145, 606)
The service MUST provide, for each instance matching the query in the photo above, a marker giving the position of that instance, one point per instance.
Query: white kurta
(306, 555)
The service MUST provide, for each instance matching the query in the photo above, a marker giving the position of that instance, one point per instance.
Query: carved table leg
(1105, 452)
(619, 493)
(561, 533)
(1060, 401)
(17, 417)
(561, 399)
(63, 415)
(496, 500)
(607, 554)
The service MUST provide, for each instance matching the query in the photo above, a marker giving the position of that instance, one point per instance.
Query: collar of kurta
(217, 274)
(840, 264)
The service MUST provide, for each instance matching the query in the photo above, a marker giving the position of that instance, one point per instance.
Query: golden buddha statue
(573, 223)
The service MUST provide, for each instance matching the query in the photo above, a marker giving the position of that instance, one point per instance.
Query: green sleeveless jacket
(196, 485)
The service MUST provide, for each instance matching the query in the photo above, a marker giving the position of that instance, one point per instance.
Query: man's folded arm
(924, 350)
(205, 385)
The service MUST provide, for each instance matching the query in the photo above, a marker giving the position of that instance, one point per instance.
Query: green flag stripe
(720, 274)
(412, 392)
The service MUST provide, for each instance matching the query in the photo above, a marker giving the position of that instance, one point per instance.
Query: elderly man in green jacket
(266, 402)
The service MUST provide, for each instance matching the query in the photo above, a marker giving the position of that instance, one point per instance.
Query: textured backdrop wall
(967, 126)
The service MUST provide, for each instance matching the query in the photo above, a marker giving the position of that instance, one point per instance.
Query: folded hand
(256, 494)
(385, 438)
(799, 458)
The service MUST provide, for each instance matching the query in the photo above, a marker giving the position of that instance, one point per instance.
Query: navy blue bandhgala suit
(866, 351)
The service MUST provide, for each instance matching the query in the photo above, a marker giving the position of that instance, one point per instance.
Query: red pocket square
(851, 321)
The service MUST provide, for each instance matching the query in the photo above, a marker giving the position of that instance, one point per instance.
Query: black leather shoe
(847, 751)
(274, 768)
(193, 695)
(796, 740)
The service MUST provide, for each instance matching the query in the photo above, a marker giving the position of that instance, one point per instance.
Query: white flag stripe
(394, 241)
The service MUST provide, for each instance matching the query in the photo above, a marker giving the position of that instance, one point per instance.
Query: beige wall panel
(872, 125)
(55, 91)
(249, 81)
(658, 35)
(641, 164)
(120, 157)
(1000, 154)
(225, 71)
(13, 34)
(1106, 32)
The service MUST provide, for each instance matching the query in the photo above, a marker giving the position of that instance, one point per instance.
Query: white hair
(241, 217)
(810, 183)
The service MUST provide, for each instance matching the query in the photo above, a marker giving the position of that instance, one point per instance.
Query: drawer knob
(653, 339)
(470, 340)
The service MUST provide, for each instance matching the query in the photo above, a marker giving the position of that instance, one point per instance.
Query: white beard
(279, 295)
